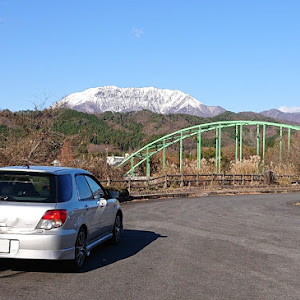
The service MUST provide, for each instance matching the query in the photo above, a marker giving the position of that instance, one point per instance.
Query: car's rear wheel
(118, 227)
(80, 250)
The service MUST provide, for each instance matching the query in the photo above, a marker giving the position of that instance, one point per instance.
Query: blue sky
(242, 55)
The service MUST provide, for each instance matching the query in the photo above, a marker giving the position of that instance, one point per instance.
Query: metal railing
(204, 181)
(144, 154)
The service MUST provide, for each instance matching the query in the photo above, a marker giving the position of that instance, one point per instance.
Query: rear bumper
(42, 245)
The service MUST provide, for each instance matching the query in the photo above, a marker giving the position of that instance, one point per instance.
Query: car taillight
(53, 219)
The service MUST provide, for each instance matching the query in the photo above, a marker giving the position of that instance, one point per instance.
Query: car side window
(83, 188)
(64, 187)
(95, 187)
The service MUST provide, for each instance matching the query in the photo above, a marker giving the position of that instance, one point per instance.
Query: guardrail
(195, 180)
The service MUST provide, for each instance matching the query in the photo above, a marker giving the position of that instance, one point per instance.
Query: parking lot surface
(225, 247)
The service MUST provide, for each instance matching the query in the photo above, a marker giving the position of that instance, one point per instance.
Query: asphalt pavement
(215, 247)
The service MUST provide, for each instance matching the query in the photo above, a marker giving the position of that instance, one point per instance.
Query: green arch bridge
(144, 154)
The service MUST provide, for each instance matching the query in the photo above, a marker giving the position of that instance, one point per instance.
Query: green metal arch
(162, 143)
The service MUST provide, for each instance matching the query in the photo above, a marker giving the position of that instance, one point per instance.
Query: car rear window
(27, 187)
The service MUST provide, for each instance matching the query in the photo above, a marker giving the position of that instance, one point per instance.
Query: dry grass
(290, 158)
(246, 166)
(188, 167)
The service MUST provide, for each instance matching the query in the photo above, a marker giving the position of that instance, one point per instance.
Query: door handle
(101, 203)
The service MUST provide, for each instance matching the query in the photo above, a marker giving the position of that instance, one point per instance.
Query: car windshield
(27, 187)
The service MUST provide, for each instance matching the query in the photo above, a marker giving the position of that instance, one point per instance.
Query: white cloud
(137, 32)
(292, 109)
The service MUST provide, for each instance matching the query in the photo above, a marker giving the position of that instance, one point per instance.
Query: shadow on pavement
(132, 242)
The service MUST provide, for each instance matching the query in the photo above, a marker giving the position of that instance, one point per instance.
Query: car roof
(44, 169)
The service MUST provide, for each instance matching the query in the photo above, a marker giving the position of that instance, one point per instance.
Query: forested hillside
(131, 130)
(121, 132)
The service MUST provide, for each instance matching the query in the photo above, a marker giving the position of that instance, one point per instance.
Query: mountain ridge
(115, 99)
(280, 115)
(162, 101)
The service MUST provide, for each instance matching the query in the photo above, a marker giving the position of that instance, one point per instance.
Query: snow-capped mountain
(112, 98)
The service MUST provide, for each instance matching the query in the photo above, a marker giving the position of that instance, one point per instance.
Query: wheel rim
(80, 248)
(118, 228)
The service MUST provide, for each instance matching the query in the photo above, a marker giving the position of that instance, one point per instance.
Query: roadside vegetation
(83, 140)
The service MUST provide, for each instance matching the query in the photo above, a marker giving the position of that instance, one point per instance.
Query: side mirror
(99, 196)
(113, 194)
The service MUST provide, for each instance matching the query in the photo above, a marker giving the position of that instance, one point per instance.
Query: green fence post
(148, 164)
(180, 154)
(280, 153)
(241, 142)
(264, 148)
(132, 166)
(257, 140)
(217, 147)
(236, 142)
(219, 150)
(164, 154)
(199, 150)
(257, 148)
(289, 139)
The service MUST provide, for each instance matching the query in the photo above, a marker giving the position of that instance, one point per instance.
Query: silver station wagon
(55, 213)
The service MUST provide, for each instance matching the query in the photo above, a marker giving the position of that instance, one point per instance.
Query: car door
(106, 205)
(91, 208)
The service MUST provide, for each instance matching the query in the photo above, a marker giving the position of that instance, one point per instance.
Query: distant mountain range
(163, 101)
(277, 114)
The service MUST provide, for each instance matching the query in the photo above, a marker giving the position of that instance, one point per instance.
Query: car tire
(80, 250)
(118, 228)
